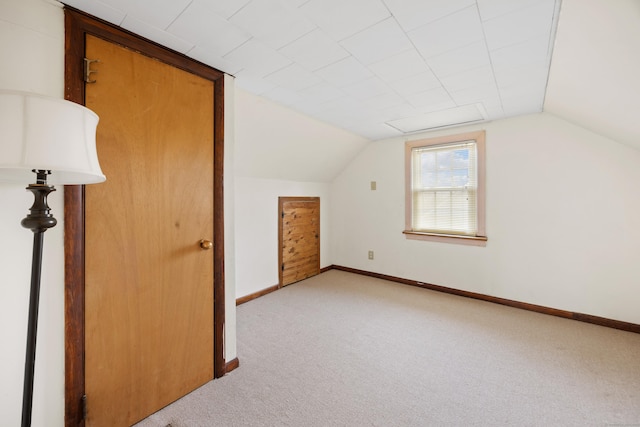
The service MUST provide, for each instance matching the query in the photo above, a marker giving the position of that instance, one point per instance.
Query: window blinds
(444, 188)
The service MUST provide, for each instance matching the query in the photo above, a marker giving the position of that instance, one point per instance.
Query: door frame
(77, 25)
(281, 201)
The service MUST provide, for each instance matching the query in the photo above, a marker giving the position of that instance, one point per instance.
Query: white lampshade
(39, 132)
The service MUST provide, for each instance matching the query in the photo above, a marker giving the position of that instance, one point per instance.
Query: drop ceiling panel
(415, 13)
(314, 50)
(490, 9)
(516, 27)
(100, 9)
(257, 58)
(153, 33)
(200, 25)
(450, 117)
(416, 84)
(345, 72)
(482, 76)
(396, 67)
(154, 13)
(432, 100)
(225, 9)
(367, 88)
(341, 19)
(206, 56)
(377, 42)
(321, 93)
(451, 32)
(468, 57)
(293, 77)
(272, 23)
(359, 64)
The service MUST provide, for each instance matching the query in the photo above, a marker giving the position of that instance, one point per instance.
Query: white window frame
(480, 238)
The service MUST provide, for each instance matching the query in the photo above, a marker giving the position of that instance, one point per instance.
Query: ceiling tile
(257, 58)
(226, 9)
(314, 50)
(399, 111)
(205, 56)
(200, 25)
(252, 83)
(341, 19)
(451, 32)
(385, 101)
(485, 93)
(159, 36)
(360, 63)
(532, 51)
(482, 76)
(412, 14)
(344, 72)
(322, 92)
(468, 57)
(377, 42)
(374, 130)
(284, 96)
(490, 9)
(367, 88)
(522, 102)
(431, 100)
(272, 22)
(154, 13)
(294, 77)
(416, 84)
(519, 26)
(402, 65)
(436, 119)
(532, 75)
(107, 11)
(294, 3)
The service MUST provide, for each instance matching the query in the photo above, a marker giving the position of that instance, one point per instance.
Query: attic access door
(299, 238)
(148, 280)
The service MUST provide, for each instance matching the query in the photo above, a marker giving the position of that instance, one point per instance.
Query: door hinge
(88, 71)
(282, 214)
(282, 267)
(83, 402)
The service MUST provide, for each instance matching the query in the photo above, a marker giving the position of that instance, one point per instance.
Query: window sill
(446, 238)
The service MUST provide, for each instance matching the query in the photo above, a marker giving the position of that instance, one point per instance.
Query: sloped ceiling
(594, 79)
(378, 68)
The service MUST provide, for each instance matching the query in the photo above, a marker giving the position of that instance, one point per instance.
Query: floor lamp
(51, 141)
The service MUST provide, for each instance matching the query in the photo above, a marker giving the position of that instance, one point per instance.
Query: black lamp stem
(38, 220)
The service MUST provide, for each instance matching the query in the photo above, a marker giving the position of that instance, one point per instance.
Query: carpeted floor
(341, 349)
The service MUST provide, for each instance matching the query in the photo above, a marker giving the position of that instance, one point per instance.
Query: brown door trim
(281, 203)
(77, 25)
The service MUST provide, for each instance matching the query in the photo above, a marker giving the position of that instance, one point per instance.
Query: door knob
(206, 244)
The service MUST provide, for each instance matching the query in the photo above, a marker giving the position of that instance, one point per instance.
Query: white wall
(32, 52)
(229, 221)
(562, 220)
(279, 152)
(257, 228)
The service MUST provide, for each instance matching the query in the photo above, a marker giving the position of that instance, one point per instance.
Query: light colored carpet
(341, 349)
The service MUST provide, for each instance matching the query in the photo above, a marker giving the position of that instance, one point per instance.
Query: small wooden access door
(299, 238)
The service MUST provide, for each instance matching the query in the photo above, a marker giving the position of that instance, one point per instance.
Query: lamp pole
(38, 220)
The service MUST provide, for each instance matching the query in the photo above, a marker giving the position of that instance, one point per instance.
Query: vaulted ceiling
(594, 80)
(378, 68)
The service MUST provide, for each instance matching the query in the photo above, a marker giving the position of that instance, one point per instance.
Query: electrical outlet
(373, 185)
(370, 254)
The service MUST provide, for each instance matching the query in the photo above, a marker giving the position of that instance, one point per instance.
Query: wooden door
(148, 282)
(299, 238)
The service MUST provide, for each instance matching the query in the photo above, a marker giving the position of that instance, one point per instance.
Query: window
(445, 189)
